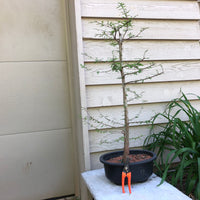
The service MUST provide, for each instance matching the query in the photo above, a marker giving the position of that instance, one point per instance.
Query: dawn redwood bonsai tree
(116, 33)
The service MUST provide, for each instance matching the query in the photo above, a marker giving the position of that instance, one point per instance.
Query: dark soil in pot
(132, 158)
(141, 168)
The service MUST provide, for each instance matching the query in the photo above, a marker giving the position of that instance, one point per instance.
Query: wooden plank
(157, 29)
(95, 163)
(77, 82)
(157, 50)
(138, 114)
(100, 74)
(77, 93)
(143, 9)
(111, 139)
(98, 96)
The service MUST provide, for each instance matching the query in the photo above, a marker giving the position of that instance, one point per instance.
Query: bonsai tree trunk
(126, 121)
(125, 104)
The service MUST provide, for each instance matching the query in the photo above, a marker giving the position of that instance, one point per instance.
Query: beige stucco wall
(35, 124)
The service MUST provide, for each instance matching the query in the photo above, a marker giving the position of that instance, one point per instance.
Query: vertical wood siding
(172, 39)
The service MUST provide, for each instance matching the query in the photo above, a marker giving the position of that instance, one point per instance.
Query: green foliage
(181, 139)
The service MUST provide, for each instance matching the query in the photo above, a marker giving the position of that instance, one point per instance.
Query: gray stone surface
(102, 189)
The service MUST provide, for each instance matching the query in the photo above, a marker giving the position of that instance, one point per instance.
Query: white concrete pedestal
(102, 189)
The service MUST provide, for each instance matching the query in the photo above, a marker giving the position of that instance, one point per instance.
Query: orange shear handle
(128, 175)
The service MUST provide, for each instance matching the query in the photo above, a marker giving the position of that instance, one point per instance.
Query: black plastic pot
(140, 171)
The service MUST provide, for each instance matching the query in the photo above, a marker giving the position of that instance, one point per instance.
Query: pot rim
(134, 163)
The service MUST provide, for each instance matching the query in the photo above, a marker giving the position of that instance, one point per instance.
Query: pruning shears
(126, 173)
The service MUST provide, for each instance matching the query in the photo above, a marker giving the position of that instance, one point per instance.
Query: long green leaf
(182, 140)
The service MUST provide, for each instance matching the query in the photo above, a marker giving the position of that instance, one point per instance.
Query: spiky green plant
(181, 139)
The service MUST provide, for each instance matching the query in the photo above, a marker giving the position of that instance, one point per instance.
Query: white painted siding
(172, 39)
(148, 9)
(174, 71)
(158, 29)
